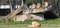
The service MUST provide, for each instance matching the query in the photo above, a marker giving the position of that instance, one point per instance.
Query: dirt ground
(25, 26)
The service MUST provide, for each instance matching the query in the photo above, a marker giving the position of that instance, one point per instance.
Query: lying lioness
(35, 24)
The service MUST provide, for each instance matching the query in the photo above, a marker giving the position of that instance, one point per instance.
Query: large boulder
(37, 16)
(20, 17)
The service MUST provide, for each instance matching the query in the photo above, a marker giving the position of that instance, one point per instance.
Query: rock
(35, 24)
(37, 16)
(20, 17)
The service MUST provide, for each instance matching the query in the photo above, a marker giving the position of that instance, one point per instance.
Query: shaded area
(4, 12)
(49, 15)
(20, 13)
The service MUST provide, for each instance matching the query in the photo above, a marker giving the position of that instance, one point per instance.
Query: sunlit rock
(35, 24)
(37, 16)
(20, 17)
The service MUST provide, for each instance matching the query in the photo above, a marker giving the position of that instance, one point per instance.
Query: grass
(52, 21)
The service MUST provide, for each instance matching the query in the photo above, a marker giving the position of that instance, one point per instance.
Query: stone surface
(20, 17)
(35, 24)
(37, 16)
(28, 16)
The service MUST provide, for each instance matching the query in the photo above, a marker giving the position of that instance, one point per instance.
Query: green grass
(52, 21)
